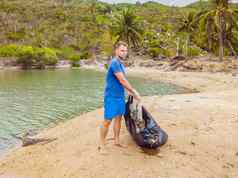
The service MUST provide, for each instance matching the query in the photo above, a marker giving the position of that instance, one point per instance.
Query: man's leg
(116, 130)
(103, 131)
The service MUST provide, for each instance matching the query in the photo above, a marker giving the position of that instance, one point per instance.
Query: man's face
(121, 52)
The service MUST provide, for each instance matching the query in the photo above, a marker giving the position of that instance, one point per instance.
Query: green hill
(78, 29)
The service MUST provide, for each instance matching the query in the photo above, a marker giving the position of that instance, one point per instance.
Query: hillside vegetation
(40, 32)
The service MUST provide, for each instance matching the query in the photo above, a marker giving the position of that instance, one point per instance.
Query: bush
(16, 35)
(46, 56)
(85, 55)
(70, 54)
(11, 50)
(194, 51)
(106, 66)
(155, 52)
(27, 56)
(154, 43)
(66, 52)
(75, 60)
(75, 64)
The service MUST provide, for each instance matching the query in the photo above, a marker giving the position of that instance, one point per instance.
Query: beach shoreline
(191, 142)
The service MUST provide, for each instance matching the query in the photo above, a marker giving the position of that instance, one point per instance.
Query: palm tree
(219, 22)
(93, 9)
(128, 27)
(188, 26)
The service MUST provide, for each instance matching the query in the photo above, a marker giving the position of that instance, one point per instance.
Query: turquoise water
(41, 98)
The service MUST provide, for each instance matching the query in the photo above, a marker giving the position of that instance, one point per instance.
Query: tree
(219, 22)
(93, 9)
(128, 27)
(187, 26)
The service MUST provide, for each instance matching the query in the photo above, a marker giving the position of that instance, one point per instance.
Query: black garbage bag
(142, 127)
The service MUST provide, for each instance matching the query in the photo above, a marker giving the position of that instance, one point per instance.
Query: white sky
(166, 2)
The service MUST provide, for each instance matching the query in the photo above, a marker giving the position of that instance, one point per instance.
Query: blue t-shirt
(114, 88)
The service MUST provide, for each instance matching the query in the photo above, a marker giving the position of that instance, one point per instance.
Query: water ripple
(38, 99)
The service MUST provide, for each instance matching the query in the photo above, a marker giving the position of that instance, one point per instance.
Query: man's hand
(129, 93)
(136, 95)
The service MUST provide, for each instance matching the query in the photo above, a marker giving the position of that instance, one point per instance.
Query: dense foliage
(40, 32)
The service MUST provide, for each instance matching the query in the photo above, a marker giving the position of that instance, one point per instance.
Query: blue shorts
(114, 107)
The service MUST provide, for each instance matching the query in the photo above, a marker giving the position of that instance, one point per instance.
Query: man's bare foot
(102, 150)
(112, 138)
(120, 145)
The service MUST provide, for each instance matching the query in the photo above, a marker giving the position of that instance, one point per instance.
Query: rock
(193, 65)
(149, 63)
(87, 62)
(160, 58)
(8, 61)
(181, 152)
(178, 58)
(29, 138)
(61, 64)
(180, 69)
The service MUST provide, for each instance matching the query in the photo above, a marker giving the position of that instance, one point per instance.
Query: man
(114, 94)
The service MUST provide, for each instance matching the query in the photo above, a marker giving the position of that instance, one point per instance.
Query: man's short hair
(120, 43)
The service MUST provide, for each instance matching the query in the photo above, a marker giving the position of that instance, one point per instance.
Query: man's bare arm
(123, 81)
(126, 84)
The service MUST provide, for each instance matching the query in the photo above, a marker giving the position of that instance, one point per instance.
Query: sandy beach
(202, 129)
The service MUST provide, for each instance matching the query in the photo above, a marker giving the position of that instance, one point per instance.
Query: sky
(166, 2)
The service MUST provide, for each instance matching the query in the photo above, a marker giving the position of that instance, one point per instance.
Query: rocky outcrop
(30, 138)
(203, 65)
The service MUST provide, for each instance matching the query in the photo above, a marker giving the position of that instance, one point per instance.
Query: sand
(202, 129)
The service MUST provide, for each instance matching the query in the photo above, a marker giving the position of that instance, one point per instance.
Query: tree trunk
(128, 41)
(221, 44)
(187, 45)
(208, 29)
(178, 46)
(200, 4)
(232, 49)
